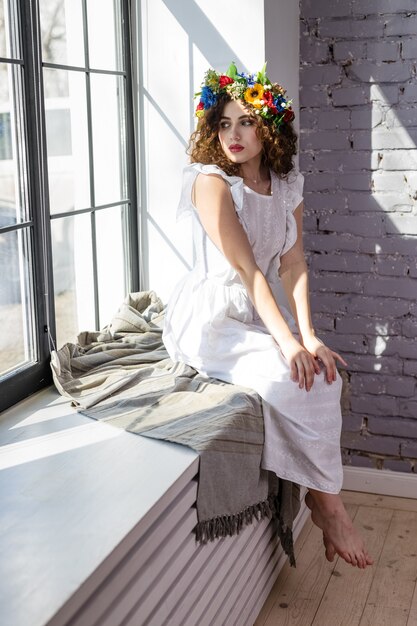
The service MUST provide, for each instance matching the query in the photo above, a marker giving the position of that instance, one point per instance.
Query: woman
(229, 317)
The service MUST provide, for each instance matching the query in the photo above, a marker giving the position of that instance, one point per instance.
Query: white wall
(178, 40)
(282, 45)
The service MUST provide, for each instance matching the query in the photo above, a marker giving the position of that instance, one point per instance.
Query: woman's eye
(224, 125)
(247, 122)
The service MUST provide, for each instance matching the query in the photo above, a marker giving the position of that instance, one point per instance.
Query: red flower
(289, 115)
(200, 106)
(268, 98)
(225, 80)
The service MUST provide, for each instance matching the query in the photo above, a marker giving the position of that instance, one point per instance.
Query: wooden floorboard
(270, 601)
(337, 606)
(412, 618)
(318, 593)
(299, 590)
(385, 502)
(395, 574)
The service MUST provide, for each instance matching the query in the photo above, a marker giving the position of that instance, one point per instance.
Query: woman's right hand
(303, 366)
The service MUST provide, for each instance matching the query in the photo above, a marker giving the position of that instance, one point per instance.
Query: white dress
(212, 325)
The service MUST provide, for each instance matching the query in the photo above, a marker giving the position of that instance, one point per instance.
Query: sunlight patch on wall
(394, 158)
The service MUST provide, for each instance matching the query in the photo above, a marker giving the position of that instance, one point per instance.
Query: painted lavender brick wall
(358, 152)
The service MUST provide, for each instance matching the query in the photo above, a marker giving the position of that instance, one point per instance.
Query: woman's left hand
(322, 353)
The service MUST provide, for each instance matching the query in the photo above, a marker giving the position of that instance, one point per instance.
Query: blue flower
(208, 97)
(250, 78)
(280, 103)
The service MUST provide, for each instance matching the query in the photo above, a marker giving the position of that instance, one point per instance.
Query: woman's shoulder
(210, 170)
(212, 175)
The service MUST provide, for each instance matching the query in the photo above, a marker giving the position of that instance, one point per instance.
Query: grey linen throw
(123, 376)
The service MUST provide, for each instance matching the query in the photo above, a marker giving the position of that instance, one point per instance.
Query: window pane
(62, 32)
(17, 345)
(73, 276)
(108, 138)
(67, 140)
(12, 170)
(3, 40)
(9, 36)
(111, 260)
(104, 34)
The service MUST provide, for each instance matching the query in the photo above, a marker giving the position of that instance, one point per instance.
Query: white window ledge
(72, 490)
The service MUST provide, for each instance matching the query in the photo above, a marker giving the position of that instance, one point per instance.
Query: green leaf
(261, 76)
(232, 71)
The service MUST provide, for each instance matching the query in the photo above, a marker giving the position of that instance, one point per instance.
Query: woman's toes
(354, 560)
(330, 549)
(330, 554)
(346, 556)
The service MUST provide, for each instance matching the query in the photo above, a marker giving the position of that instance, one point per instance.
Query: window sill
(72, 492)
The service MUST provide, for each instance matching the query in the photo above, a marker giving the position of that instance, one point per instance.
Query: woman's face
(237, 133)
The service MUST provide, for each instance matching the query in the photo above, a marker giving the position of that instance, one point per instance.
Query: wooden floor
(332, 594)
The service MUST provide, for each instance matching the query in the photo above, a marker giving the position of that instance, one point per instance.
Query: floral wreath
(267, 98)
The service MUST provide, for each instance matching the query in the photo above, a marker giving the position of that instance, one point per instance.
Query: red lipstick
(236, 147)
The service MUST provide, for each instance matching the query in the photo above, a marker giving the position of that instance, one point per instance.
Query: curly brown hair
(279, 147)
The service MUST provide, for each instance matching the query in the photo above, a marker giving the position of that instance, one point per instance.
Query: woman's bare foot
(330, 550)
(329, 547)
(339, 534)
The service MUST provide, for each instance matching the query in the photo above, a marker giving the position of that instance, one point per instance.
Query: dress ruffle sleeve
(292, 197)
(186, 207)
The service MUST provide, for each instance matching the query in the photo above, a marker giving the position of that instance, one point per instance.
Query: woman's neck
(257, 177)
(256, 172)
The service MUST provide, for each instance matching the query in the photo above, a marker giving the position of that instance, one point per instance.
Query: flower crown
(267, 98)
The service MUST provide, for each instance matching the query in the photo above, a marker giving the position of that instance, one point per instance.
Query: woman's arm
(214, 203)
(294, 277)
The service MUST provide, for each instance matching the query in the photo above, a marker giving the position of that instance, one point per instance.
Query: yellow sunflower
(254, 95)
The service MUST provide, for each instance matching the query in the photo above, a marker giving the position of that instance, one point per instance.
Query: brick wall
(358, 152)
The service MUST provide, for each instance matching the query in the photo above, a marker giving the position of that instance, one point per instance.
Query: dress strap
(186, 207)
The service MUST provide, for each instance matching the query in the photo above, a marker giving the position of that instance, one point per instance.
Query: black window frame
(24, 381)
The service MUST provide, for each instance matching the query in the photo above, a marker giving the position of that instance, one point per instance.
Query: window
(68, 231)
